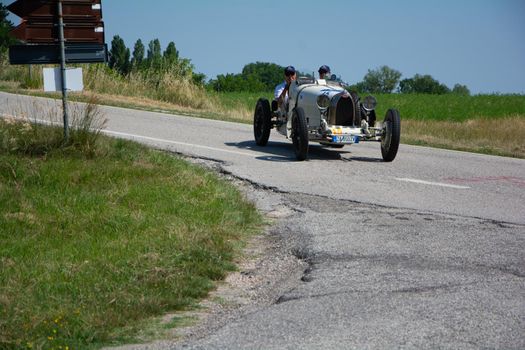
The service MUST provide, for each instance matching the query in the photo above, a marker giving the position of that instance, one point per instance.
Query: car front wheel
(391, 135)
(300, 134)
(262, 122)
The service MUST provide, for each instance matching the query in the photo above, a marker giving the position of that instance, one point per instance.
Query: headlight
(323, 101)
(369, 102)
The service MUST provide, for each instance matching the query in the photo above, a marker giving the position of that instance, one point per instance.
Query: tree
(119, 56)
(171, 55)
(5, 27)
(138, 54)
(237, 82)
(270, 74)
(381, 80)
(198, 78)
(154, 54)
(460, 90)
(422, 84)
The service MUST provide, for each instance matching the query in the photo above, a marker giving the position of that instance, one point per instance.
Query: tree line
(264, 76)
(387, 80)
(151, 60)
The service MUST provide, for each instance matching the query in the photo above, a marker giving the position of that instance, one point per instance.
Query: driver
(281, 90)
(324, 72)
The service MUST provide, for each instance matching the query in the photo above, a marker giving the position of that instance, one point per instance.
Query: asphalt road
(423, 252)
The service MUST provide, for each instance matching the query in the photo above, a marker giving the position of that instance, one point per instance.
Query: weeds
(25, 133)
(30, 77)
(163, 86)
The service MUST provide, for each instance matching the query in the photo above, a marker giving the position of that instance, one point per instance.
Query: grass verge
(95, 243)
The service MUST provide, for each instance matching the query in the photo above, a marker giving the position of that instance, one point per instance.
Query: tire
(262, 122)
(357, 109)
(391, 135)
(299, 134)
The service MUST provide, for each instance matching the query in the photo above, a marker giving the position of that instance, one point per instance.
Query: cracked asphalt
(426, 252)
(383, 278)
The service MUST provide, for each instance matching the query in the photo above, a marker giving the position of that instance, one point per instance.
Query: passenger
(324, 72)
(281, 90)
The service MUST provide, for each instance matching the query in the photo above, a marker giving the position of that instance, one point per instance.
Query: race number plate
(345, 139)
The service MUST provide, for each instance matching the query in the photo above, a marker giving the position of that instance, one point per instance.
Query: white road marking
(133, 136)
(432, 183)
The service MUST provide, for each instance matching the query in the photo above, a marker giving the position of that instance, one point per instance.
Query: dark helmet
(324, 69)
(288, 71)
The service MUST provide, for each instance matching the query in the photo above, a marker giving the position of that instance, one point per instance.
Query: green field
(451, 107)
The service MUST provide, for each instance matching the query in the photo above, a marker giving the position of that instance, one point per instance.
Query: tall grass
(166, 86)
(29, 77)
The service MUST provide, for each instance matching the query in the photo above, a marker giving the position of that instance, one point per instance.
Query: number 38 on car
(322, 111)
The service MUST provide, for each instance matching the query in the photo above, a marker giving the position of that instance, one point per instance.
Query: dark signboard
(83, 31)
(50, 54)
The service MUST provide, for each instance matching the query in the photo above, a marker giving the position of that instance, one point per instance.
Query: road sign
(50, 54)
(82, 21)
(61, 22)
(42, 32)
(85, 10)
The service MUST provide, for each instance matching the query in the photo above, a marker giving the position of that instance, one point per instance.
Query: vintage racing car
(324, 111)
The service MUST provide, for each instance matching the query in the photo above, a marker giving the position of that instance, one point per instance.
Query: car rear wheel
(300, 134)
(391, 135)
(262, 122)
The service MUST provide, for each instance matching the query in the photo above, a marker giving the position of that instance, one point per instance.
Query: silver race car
(323, 111)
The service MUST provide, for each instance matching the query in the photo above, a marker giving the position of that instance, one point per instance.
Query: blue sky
(480, 43)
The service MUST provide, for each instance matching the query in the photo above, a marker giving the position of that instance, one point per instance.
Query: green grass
(244, 100)
(451, 107)
(93, 245)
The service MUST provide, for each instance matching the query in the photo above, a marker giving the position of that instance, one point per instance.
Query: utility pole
(63, 69)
